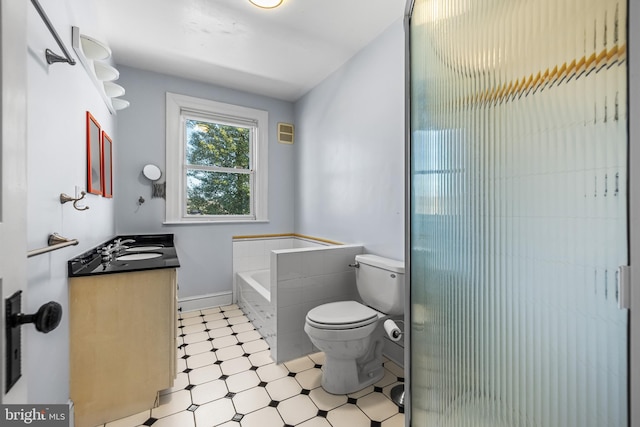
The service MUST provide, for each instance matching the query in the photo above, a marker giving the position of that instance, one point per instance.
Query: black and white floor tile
(226, 377)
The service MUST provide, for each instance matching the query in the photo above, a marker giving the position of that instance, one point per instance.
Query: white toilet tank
(380, 283)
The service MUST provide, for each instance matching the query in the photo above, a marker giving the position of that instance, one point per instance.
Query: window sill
(206, 222)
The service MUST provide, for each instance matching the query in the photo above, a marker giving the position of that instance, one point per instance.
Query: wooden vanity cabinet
(123, 347)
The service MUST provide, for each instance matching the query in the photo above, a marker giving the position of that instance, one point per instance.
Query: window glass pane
(218, 193)
(215, 144)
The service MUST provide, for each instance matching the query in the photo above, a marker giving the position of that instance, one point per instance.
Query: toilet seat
(341, 315)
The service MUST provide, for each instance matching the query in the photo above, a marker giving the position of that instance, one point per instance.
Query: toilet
(351, 333)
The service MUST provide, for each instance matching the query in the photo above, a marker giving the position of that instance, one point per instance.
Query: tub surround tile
(301, 278)
(247, 389)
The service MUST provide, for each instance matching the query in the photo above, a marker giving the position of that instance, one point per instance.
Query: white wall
(350, 150)
(58, 97)
(205, 251)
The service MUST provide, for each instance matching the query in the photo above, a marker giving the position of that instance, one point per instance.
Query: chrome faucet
(116, 247)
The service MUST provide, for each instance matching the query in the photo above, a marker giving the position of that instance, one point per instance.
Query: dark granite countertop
(94, 261)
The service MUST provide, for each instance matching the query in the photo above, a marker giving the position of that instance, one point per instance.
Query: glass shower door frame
(633, 207)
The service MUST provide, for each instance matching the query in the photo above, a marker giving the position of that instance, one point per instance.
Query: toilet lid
(342, 315)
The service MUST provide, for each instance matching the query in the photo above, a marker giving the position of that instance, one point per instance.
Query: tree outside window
(218, 168)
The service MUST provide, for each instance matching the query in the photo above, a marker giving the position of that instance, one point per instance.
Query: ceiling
(282, 52)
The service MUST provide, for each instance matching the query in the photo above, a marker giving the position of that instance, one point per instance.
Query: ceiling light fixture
(266, 4)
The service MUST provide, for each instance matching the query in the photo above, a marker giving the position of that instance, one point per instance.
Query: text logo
(34, 415)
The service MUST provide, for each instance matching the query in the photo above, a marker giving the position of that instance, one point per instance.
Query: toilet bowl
(351, 333)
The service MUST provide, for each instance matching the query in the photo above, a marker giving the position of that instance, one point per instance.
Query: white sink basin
(139, 257)
(144, 248)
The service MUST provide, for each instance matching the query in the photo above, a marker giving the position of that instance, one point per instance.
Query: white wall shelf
(88, 65)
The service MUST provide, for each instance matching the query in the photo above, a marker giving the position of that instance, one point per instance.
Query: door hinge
(624, 287)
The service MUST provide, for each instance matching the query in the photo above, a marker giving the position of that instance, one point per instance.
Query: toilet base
(344, 376)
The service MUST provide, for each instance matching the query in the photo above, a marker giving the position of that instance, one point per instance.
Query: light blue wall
(58, 97)
(350, 150)
(204, 250)
(347, 161)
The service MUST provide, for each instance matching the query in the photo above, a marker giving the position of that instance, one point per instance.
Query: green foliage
(217, 192)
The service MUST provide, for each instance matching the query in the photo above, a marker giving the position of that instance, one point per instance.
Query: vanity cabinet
(123, 348)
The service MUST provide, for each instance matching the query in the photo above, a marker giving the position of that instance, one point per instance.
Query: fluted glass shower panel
(518, 213)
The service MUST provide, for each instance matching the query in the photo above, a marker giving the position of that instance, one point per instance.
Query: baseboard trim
(200, 302)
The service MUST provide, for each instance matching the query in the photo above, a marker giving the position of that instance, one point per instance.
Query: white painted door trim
(633, 56)
(13, 167)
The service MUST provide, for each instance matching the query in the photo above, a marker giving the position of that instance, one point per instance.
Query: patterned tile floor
(226, 377)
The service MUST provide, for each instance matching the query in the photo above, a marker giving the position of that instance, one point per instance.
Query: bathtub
(254, 298)
(278, 280)
(258, 280)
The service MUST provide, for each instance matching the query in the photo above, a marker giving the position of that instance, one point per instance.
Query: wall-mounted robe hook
(64, 198)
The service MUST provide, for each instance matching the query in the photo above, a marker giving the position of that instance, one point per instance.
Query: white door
(13, 182)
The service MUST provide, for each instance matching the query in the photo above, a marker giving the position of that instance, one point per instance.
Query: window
(216, 161)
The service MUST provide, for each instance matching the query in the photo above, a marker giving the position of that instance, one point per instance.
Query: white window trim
(175, 158)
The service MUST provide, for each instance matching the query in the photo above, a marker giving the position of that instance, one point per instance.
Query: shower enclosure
(518, 213)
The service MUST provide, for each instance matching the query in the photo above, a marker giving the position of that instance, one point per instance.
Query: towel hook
(64, 198)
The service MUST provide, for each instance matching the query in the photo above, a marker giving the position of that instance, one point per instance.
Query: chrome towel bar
(55, 242)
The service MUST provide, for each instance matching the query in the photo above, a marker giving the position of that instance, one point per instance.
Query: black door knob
(46, 319)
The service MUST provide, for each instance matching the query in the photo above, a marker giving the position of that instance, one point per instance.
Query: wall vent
(285, 133)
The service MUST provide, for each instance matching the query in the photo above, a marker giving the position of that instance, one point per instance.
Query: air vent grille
(285, 133)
